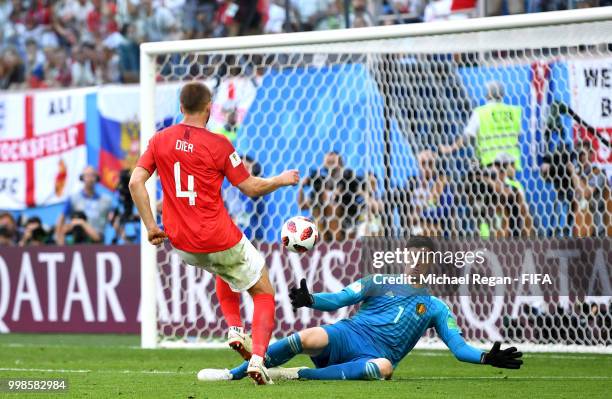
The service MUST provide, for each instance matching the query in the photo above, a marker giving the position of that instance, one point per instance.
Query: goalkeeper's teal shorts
(345, 345)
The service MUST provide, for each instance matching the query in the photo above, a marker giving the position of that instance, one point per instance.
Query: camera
(78, 233)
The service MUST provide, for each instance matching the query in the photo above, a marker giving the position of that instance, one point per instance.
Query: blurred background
(69, 138)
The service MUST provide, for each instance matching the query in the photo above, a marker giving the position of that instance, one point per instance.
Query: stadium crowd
(69, 43)
(66, 43)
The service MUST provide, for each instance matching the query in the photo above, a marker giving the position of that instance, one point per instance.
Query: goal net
(388, 127)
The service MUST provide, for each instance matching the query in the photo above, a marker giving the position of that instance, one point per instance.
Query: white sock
(256, 359)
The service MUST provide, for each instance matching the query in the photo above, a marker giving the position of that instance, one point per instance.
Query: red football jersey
(191, 163)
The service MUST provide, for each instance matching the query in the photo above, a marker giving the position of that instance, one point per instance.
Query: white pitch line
(558, 377)
(170, 372)
(95, 371)
(529, 354)
(45, 370)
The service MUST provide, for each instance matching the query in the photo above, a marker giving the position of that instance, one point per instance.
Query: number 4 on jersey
(190, 193)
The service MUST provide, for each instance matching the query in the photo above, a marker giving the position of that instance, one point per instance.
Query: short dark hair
(421, 242)
(33, 219)
(194, 97)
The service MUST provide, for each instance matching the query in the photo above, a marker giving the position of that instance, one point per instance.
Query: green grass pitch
(110, 366)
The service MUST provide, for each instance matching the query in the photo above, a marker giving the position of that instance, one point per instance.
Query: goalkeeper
(369, 345)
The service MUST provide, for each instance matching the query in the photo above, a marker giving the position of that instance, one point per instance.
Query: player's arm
(326, 301)
(142, 172)
(254, 186)
(232, 167)
(141, 199)
(469, 136)
(449, 332)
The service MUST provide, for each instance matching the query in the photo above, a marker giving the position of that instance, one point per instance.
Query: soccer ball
(299, 234)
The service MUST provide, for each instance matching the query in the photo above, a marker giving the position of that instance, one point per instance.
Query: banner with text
(42, 147)
(591, 93)
(97, 288)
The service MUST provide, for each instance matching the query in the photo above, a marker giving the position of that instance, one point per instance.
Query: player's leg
(229, 302)
(346, 355)
(311, 341)
(262, 326)
(360, 369)
(224, 265)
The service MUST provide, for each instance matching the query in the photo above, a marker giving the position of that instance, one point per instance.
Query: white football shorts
(240, 266)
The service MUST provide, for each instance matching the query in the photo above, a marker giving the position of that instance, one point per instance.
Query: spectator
(441, 10)
(371, 220)
(82, 69)
(557, 169)
(57, 71)
(108, 69)
(428, 199)
(496, 7)
(41, 12)
(101, 20)
(335, 200)
(199, 17)
(361, 17)
(35, 59)
(129, 54)
(8, 229)
(75, 11)
(87, 210)
(33, 233)
(6, 239)
(79, 231)
(158, 23)
(593, 192)
(230, 128)
(308, 12)
(276, 17)
(334, 19)
(31, 31)
(249, 17)
(124, 217)
(12, 70)
(512, 208)
(72, 23)
(6, 9)
(65, 27)
(494, 128)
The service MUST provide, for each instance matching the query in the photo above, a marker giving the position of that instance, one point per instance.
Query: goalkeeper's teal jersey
(393, 318)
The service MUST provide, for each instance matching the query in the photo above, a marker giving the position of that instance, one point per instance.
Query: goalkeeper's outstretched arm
(350, 295)
(449, 332)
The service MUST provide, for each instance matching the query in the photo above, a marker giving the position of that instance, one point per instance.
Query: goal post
(381, 98)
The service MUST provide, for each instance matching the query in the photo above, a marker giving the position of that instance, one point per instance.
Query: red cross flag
(42, 147)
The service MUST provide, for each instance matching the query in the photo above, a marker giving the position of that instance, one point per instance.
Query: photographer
(33, 233)
(79, 231)
(427, 199)
(124, 218)
(512, 213)
(335, 199)
(91, 207)
(8, 229)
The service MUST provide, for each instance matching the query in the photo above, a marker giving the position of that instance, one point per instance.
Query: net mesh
(374, 129)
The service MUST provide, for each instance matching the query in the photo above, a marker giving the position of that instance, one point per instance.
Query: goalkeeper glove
(300, 296)
(509, 358)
